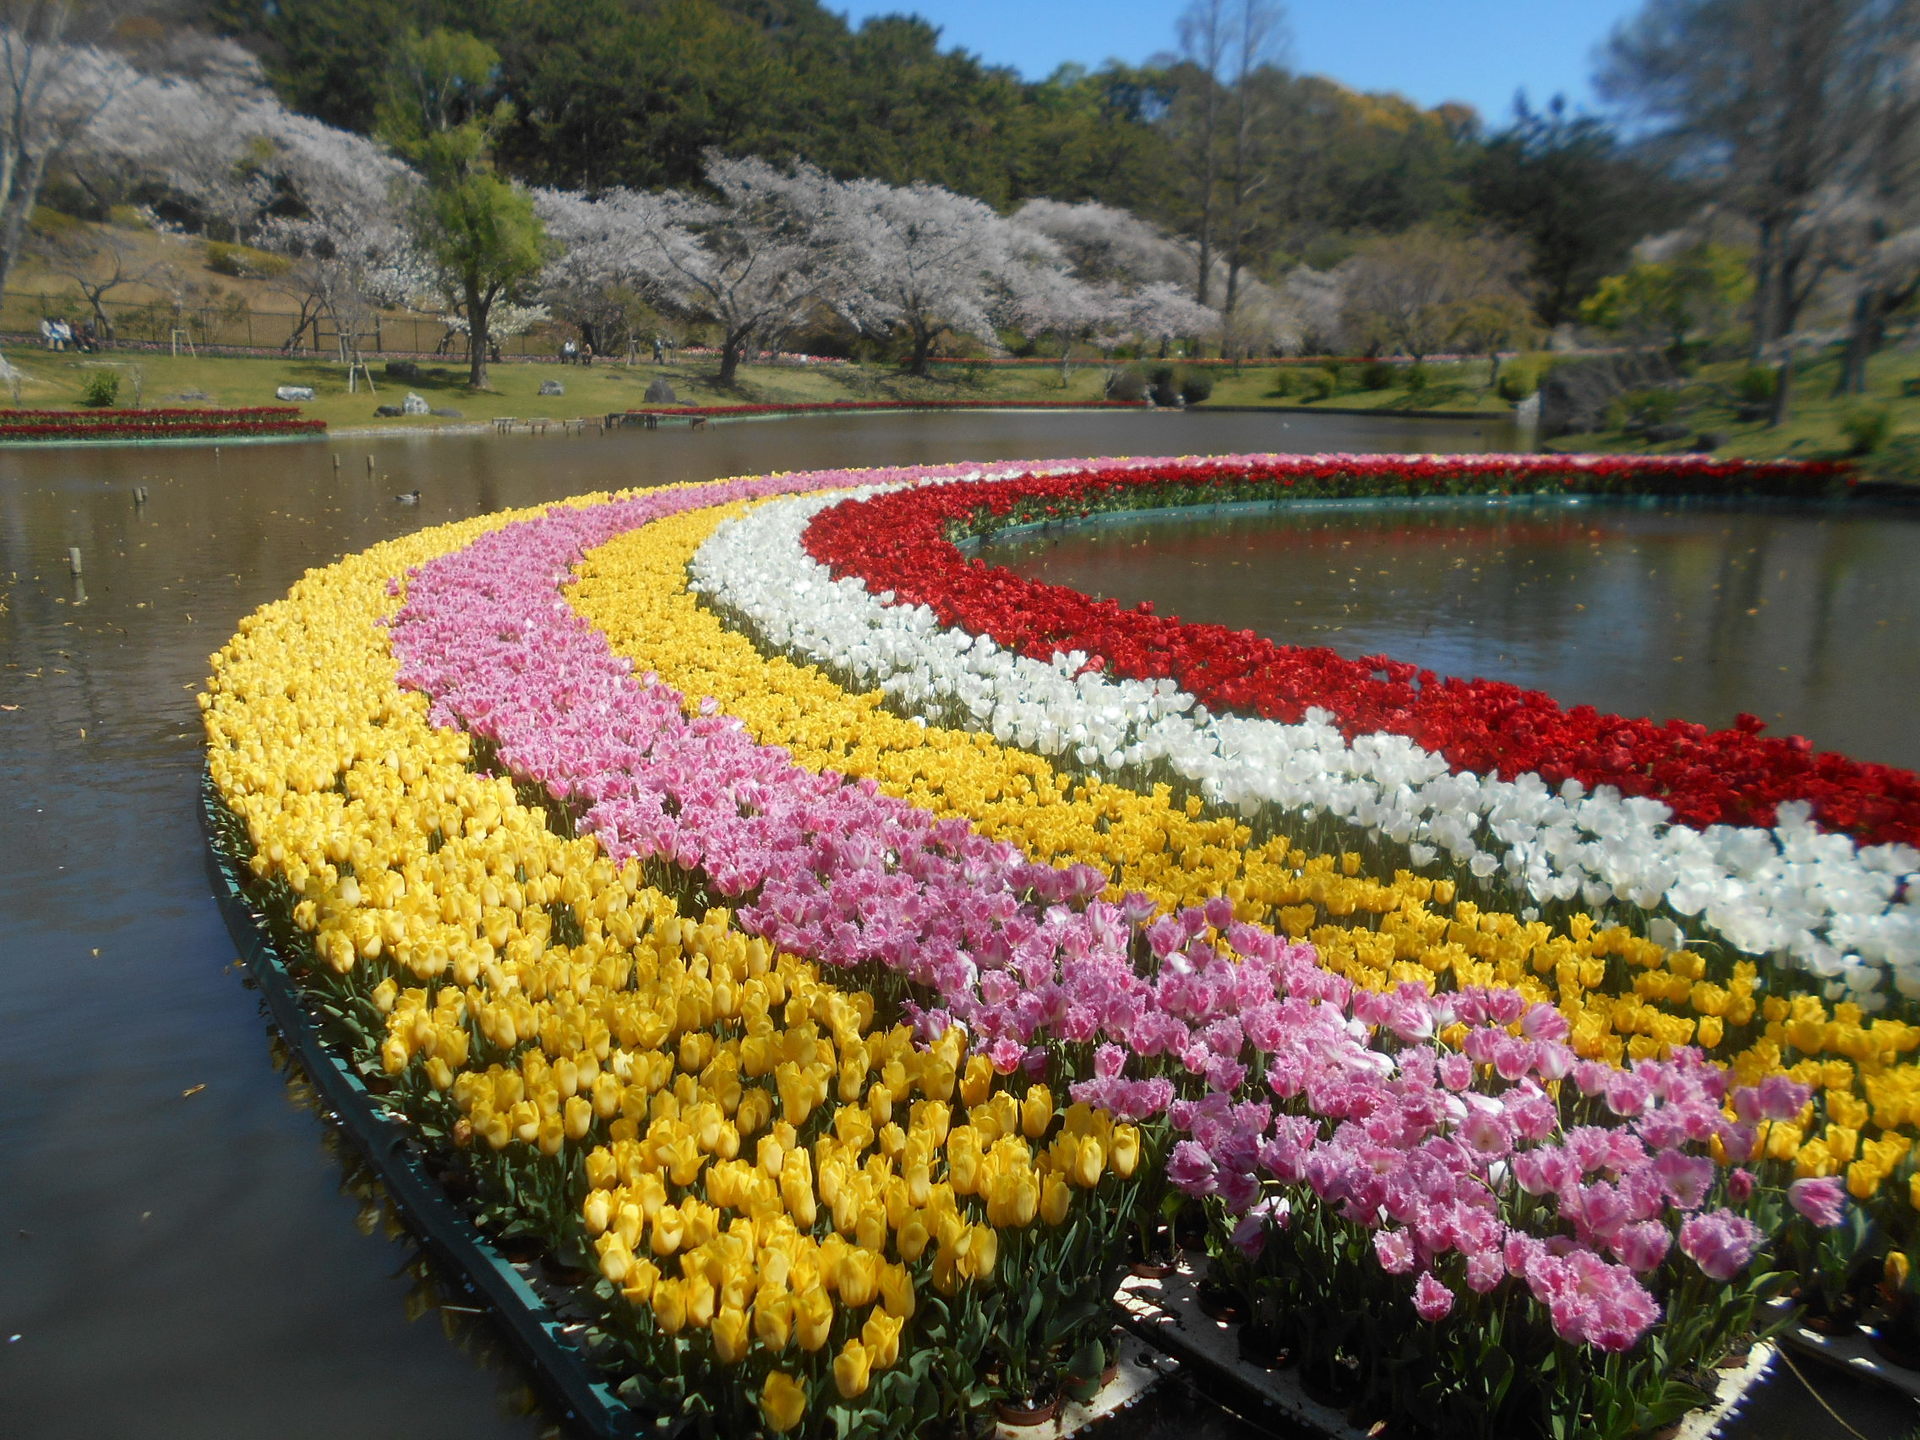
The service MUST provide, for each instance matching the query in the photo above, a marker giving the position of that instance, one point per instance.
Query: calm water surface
(1807, 618)
(182, 1253)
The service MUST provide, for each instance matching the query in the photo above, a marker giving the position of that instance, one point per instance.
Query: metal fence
(232, 328)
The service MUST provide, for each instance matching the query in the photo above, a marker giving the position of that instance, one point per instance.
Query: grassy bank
(1819, 425)
(59, 380)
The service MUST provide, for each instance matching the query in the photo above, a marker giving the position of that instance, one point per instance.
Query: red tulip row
(158, 425)
(100, 417)
(904, 542)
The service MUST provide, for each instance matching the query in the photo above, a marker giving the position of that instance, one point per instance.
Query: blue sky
(1479, 51)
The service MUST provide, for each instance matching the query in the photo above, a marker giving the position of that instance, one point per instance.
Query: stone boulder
(552, 387)
(415, 405)
(661, 393)
(294, 392)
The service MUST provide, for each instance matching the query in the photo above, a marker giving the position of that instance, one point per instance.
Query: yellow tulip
(597, 1211)
(881, 1336)
(851, 1370)
(913, 1239)
(1056, 1199)
(773, 1317)
(670, 1306)
(796, 1188)
(977, 1082)
(701, 1300)
(1088, 1163)
(812, 1317)
(783, 1400)
(669, 1229)
(982, 1252)
(641, 1280)
(730, 1334)
(1126, 1150)
(896, 1293)
(857, 1277)
(1036, 1111)
(577, 1117)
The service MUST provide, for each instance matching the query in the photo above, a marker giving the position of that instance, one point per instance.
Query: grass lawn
(1813, 429)
(58, 381)
(1459, 388)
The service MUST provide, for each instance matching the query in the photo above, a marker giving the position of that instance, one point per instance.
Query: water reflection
(1809, 618)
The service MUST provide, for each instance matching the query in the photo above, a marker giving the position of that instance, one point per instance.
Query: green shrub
(1377, 375)
(1867, 428)
(102, 389)
(1286, 381)
(1756, 385)
(1127, 385)
(1519, 378)
(129, 217)
(1417, 378)
(1340, 377)
(1322, 383)
(244, 262)
(1642, 407)
(49, 221)
(1196, 386)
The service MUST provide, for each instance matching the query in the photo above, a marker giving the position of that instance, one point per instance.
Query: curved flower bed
(904, 544)
(1815, 899)
(155, 424)
(923, 1044)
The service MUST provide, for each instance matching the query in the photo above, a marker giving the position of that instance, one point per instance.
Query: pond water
(1806, 617)
(182, 1251)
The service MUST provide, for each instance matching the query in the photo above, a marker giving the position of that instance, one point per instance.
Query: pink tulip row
(1294, 1079)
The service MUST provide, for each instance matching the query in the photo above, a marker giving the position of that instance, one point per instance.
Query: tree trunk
(732, 343)
(923, 338)
(479, 303)
(1782, 390)
(20, 198)
(1762, 297)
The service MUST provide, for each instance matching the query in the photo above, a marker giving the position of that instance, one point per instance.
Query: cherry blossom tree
(53, 83)
(1107, 244)
(925, 261)
(752, 259)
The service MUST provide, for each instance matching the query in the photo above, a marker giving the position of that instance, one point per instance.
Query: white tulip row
(1809, 898)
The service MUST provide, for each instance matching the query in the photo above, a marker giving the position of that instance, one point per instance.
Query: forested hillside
(632, 92)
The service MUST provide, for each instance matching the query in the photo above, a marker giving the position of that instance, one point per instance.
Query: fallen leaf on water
(191, 1089)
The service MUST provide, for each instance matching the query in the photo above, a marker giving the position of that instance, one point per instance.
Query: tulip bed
(177, 424)
(743, 939)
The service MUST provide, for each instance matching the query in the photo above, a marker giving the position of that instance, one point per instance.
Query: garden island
(779, 949)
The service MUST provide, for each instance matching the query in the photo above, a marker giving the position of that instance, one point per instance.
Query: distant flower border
(174, 424)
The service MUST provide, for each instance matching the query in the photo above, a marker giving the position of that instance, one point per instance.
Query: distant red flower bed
(904, 543)
(172, 424)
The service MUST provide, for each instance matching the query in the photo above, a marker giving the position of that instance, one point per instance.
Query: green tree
(1564, 184)
(1700, 288)
(479, 231)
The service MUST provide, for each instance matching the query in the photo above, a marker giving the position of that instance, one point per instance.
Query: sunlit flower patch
(808, 1024)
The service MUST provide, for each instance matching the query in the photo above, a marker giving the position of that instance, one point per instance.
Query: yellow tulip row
(1375, 931)
(654, 1051)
